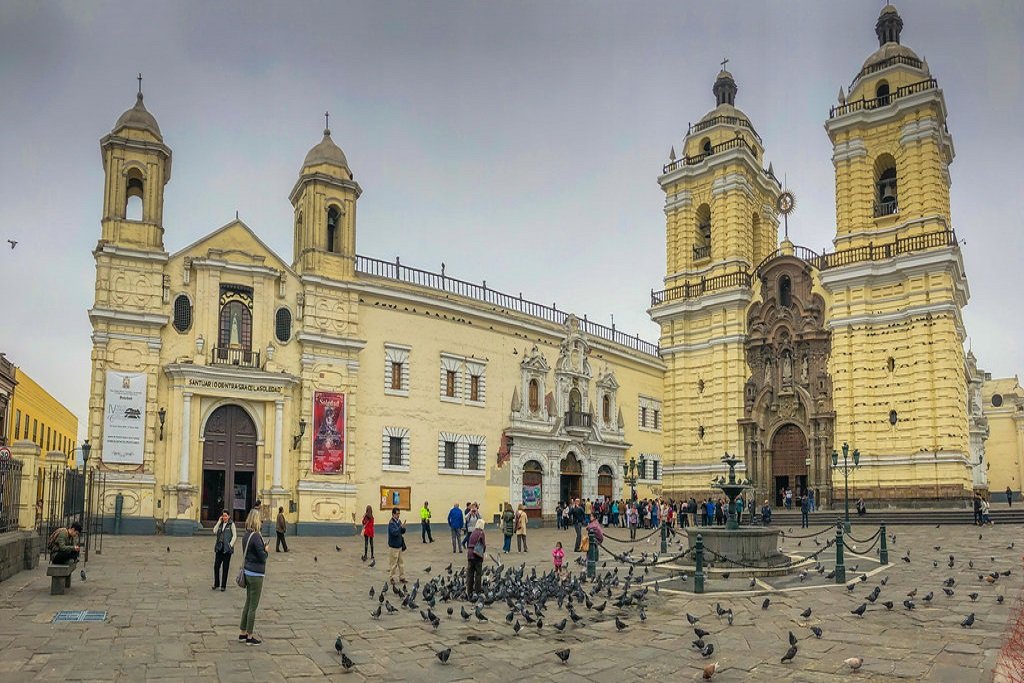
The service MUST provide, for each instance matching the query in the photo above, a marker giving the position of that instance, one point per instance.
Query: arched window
(133, 195)
(886, 186)
(235, 326)
(606, 408)
(785, 292)
(705, 146)
(575, 401)
(882, 93)
(283, 325)
(534, 398)
(702, 240)
(182, 313)
(333, 216)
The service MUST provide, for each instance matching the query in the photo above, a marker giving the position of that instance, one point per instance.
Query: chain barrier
(866, 540)
(624, 558)
(861, 552)
(831, 527)
(788, 563)
(630, 542)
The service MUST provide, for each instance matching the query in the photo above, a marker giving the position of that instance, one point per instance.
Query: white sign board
(124, 418)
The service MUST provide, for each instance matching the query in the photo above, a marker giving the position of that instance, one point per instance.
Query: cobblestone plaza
(164, 622)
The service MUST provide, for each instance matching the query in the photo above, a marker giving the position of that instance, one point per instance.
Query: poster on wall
(395, 497)
(531, 496)
(328, 432)
(124, 419)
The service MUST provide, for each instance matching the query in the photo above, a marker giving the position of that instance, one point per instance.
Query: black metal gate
(67, 496)
(10, 494)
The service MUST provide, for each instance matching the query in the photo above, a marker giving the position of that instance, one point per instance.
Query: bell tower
(896, 282)
(136, 166)
(721, 221)
(324, 198)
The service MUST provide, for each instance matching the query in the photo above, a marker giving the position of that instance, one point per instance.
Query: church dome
(890, 51)
(326, 152)
(138, 118)
(887, 51)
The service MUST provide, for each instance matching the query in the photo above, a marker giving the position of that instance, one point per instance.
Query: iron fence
(10, 494)
(66, 496)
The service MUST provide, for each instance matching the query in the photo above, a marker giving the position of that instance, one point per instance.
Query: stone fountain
(747, 544)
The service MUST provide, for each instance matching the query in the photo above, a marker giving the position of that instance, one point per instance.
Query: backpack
(51, 541)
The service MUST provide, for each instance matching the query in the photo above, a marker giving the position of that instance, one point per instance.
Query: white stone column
(279, 438)
(186, 437)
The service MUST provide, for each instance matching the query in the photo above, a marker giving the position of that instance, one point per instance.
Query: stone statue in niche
(787, 367)
(804, 369)
(767, 370)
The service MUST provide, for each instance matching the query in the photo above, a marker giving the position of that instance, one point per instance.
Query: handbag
(585, 544)
(240, 577)
(479, 549)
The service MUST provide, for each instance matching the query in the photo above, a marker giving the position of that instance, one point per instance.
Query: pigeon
(371, 591)
(700, 633)
(790, 653)
(346, 663)
(792, 638)
(339, 645)
(999, 599)
(517, 627)
(314, 559)
(909, 604)
(710, 670)
(444, 654)
(912, 593)
(563, 655)
(13, 243)
(480, 615)
(708, 650)
(463, 613)
(853, 662)
(767, 601)
(427, 569)
(168, 548)
(560, 626)
(337, 548)
(859, 611)
(885, 580)
(753, 583)
(699, 644)
(81, 573)
(948, 592)
(451, 611)
(376, 613)
(816, 631)
(509, 617)
(968, 622)
(851, 586)
(928, 598)
(888, 604)
(373, 563)
(620, 624)
(692, 619)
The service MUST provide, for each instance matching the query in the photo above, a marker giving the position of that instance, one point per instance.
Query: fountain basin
(750, 545)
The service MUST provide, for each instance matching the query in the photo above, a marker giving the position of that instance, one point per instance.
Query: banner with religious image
(124, 418)
(328, 432)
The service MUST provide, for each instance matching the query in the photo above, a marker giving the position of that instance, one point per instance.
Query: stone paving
(166, 624)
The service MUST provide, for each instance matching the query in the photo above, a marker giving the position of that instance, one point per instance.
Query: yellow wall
(1004, 449)
(51, 426)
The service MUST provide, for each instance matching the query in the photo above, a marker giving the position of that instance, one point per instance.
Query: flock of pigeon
(539, 601)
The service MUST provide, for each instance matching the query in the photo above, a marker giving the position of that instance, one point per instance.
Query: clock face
(786, 202)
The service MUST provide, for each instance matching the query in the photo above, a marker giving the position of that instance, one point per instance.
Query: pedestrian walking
(508, 527)
(521, 521)
(282, 528)
(810, 496)
(254, 569)
(396, 546)
(977, 509)
(1009, 496)
(472, 516)
(368, 532)
(456, 520)
(632, 520)
(476, 548)
(789, 499)
(558, 515)
(223, 547)
(425, 523)
(576, 516)
(986, 517)
(805, 509)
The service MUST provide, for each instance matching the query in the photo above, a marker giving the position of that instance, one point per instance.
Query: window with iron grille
(396, 376)
(395, 451)
(449, 383)
(449, 455)
(474, 387)
(474, 456)
(182, 313)
(283, 325)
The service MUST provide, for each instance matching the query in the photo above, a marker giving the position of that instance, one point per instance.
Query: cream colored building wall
(1004, 449)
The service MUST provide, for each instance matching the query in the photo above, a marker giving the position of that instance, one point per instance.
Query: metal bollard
(840, 566)
(591, 554)
(664, 539)
(698, 576)
(883, 552)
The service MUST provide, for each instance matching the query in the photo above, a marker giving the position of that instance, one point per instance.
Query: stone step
(898, 516)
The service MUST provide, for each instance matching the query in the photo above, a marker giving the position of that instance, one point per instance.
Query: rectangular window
(26, 425)
(449, 455)
(656, 473)
(396, 376)
(395, 451)
(449, 383)
(17, 425)
(657, 419)
(474, 456)
(48, 441)
(474, 387)
(643, 416)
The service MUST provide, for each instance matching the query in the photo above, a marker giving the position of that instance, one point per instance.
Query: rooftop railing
(691, 290)
(886, 63)
(394, 270)
(883, 100)
(725, 120)
(735, 143)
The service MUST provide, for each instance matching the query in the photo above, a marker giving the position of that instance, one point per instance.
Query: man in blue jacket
(456, 520)
(396, 545)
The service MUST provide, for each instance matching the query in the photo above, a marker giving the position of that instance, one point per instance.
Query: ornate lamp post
(846, 468)
(86, 447)
(631, 472)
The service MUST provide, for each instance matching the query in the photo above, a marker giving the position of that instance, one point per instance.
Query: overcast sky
(518, 142)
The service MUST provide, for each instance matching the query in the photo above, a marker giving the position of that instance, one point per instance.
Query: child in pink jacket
(558, 557)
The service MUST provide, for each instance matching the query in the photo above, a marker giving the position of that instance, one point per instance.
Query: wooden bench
(60, 577)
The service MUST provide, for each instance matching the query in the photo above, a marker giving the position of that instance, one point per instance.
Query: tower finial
(327, 123)
(724, 62)
(140, 83)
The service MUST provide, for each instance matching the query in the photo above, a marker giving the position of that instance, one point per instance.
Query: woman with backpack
(254, 557)
(508, 527)
(223, 547)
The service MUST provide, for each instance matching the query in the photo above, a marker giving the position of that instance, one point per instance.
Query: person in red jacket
(368, 532)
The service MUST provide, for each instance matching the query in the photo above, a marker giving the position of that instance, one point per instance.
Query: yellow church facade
(223, 373)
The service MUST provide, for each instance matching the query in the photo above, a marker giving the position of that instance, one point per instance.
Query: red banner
(328, 432)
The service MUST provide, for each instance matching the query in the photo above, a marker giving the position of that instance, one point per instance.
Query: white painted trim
(306, 486)
(706, 468)
(701, 346)
(729, 182)
(899, 268)
(232, 267)
(927, 458)
(101, 339)
(233, 374)
(343, 344)
(848, 149)
(109, 314)
(897, 316)
(738, 297)
(114, 250)
(740, 155)
(129, 478)
(874, 233)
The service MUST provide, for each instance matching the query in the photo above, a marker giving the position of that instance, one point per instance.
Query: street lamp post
(86, 447)
(846, 468)
(631, 473)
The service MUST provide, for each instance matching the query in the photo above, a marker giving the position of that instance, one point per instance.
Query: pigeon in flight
(13, 243)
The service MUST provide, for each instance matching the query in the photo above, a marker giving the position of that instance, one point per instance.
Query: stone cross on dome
(724, 62)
